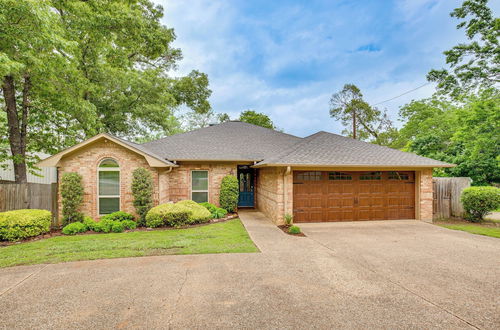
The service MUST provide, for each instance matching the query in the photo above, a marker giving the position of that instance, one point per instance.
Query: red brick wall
(86, 160)
(176, 185)
(425, 195)
(271, 182)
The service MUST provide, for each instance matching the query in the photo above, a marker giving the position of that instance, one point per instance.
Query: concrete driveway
(350, 275)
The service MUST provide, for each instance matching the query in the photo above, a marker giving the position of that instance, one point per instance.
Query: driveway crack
(22, 281)
(399, 285)
(179, 296)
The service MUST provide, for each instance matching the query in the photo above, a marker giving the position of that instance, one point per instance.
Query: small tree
(142, 189)
(72, 197)
(229, 193)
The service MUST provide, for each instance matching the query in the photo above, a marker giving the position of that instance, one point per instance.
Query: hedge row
(21, 224)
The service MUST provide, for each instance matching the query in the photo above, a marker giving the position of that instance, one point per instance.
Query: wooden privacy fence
(16, 196)
(447, 193)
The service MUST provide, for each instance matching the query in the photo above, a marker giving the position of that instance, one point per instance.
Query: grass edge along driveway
(224, 237)
(475, 229)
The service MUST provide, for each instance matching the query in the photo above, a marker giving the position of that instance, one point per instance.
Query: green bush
(179, 214)
(104, 226)
(219, 213)
(142, 190)
(89, 222)
(199, 214)
(118, 216)
(117, 227)
(294, 230)
(210, 207)
(216, 212)
(20, 224)
(74, 228)
(288, 219)
(229, 193)
(72, 197)
(129, 224)
(479, 201)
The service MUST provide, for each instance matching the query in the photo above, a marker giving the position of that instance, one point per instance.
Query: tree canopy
(474, 65)
(362, 121)
(257, 118)
(71, 69)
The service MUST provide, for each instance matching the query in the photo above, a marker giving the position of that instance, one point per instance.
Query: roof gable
(152, 159)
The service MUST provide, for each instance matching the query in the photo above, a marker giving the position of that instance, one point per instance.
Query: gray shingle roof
(327, 149)
(231, 140)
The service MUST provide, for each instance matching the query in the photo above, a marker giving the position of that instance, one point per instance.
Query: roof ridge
(295, 147)
(216, 125)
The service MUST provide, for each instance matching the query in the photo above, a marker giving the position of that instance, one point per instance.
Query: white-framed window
(108, 186)
(199, 186)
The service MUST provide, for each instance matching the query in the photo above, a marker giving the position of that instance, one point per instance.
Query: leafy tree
(142, 190)
(474, 65)
(257, 118)
(366, 122)
(463, 132)
(71, 69)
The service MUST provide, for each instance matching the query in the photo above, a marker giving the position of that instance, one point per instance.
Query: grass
(224, 237)
(475, 229)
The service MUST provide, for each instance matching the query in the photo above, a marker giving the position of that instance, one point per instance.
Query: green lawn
(224, 237)
(475, 229)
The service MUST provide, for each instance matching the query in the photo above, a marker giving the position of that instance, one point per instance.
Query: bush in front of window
(20, 224)
(199, 214)
(229, 193)
(118, 216)
(142, 190)
(216, 212)
(177, 215)
(479, 201)
(72, 197)
(74, 228)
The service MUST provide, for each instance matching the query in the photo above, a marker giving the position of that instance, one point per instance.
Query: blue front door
(246, 183)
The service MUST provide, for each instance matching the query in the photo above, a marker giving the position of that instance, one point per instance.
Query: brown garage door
(350, 196)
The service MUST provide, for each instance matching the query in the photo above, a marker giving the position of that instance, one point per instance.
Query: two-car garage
(323, 196)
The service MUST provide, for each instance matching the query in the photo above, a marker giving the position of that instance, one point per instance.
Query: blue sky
(286, 58)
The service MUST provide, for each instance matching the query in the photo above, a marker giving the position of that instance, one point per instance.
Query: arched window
(109, 186)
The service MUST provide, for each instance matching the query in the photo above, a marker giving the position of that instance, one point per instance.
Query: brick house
(322, 177)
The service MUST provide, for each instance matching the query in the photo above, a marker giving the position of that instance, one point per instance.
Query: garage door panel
(350, 196)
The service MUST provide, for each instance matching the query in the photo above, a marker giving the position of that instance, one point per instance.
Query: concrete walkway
(357, 275)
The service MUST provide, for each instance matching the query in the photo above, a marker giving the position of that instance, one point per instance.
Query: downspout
(285, 195)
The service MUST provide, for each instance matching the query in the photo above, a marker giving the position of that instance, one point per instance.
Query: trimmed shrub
(119, 216)
(74, 228)
(89, 222)
(142, 189)
(294, 230)
(117, 227)
(129, 224)
(199, 214)
(20, 224)
(72, 197)
(104, 226)
(479, 201)
(178, 214)
(229, 193)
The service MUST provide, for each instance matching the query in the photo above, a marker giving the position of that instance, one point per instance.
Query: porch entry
(246, 176)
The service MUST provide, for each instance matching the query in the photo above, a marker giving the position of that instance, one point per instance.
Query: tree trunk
(16, 139)
(354, 124)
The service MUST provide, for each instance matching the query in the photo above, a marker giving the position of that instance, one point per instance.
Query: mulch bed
(57, 232)
(285, 230)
